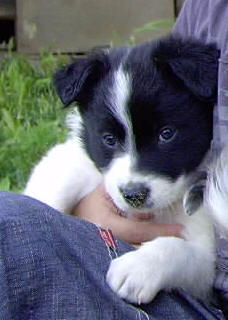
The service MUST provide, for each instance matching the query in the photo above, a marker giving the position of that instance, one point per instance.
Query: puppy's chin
(129, 213)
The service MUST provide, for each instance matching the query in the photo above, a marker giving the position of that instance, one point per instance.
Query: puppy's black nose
(135, 194)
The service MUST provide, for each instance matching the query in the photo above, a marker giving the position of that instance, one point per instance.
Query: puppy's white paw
(136, 277)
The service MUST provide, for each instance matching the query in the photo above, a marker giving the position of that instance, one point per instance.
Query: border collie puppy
(143, 125)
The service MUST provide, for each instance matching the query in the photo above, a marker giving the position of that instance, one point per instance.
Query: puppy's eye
(109, 140)
(167, 134)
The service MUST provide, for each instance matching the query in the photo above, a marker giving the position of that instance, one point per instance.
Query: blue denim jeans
(53, 266)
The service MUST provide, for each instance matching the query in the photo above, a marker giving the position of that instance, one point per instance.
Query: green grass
(31, 117)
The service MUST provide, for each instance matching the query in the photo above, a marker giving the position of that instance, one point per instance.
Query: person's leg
(53, 266)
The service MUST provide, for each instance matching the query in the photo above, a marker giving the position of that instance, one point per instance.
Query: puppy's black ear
(194, 63)
(75, 81)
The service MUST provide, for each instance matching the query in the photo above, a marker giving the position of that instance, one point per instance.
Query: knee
(13, 205)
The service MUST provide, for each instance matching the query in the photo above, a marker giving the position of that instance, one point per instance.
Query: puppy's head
(147, 116)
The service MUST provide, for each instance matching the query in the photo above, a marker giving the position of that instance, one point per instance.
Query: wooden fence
(75, 26)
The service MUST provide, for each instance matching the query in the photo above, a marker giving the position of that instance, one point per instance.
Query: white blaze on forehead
(120, 96)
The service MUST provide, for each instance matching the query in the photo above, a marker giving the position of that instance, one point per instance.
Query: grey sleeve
(207, 20)
(193, 19)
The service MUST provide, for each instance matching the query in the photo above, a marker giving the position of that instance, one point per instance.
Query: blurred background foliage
(31, 117)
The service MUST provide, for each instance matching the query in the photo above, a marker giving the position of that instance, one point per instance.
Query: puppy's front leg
(63, 177)
(164, 263)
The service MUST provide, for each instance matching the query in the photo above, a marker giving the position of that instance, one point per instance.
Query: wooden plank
(79, 25)
(7, 10)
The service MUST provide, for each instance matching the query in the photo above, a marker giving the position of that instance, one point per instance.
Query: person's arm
(97, 209)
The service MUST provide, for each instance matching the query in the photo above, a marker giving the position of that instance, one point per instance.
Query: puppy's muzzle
(135, 194)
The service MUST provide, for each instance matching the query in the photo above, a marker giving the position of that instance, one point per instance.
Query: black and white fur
(216, 196)
(143, 125)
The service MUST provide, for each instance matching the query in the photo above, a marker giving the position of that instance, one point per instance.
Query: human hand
(97, 208)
